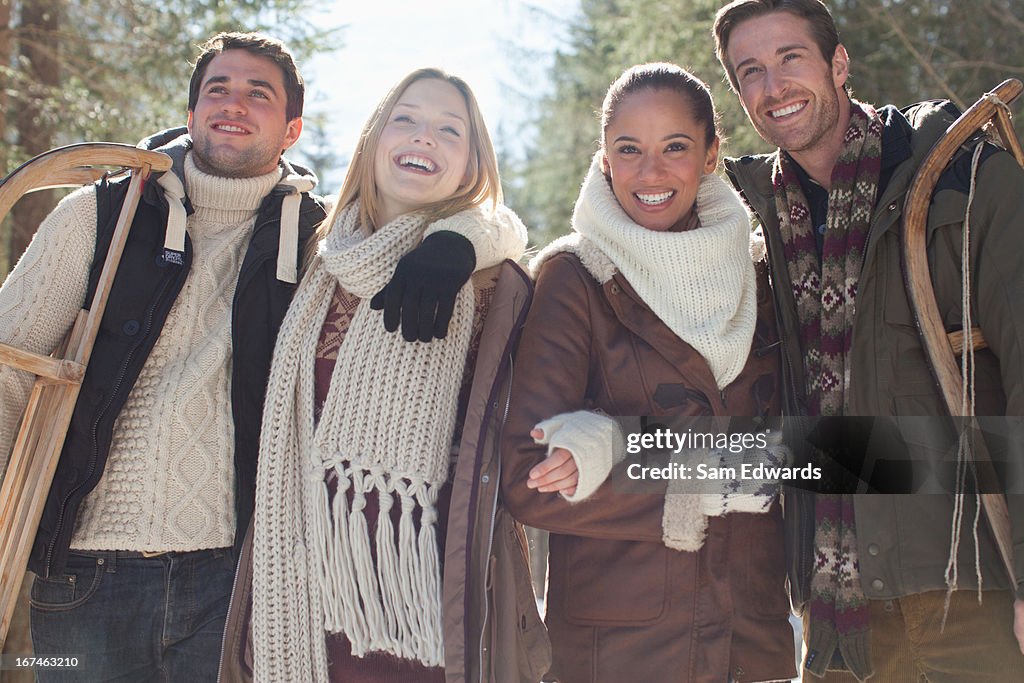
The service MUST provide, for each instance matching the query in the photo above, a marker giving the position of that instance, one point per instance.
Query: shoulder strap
(109, 197)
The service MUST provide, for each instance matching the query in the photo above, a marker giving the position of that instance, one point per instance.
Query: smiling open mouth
(654, 199)
(786, 111)
(417, 162)
(228, 128)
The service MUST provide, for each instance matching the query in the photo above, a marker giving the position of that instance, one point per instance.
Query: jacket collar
(295, 181)
(908, 134)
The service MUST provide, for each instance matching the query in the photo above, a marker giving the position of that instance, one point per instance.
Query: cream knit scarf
(386, 430)
(701, 283)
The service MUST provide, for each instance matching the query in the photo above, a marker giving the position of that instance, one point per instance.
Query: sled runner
(39, 441)
(942, 349)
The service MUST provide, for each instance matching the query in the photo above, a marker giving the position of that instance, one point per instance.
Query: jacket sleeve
(495, 235)
(40, 299)
(997, 213)
(551, 376)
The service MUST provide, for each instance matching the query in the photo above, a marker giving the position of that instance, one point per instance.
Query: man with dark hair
(875, 576)
(259, 46)
(154, 490)
(134, 553)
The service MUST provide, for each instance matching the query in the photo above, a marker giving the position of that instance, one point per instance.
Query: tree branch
(1004, 15)
(985, 64)
(881, 13)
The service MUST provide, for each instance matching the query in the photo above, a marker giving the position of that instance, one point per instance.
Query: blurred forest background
(73, 70)
(902, 51)
(117, 70)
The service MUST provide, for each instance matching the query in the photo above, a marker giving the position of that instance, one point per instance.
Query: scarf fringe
(388, 574)
(391, 412)
(394, 604)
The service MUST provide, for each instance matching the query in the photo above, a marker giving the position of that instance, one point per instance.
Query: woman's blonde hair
(483, 182)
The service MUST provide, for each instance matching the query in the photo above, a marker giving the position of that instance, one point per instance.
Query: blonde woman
(376, 491)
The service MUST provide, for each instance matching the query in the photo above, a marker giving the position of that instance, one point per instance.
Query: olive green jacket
(904, 540)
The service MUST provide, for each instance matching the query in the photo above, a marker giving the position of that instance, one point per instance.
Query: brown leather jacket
(492, 633)
(621, 605)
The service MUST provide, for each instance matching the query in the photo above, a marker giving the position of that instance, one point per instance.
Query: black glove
(423, 289)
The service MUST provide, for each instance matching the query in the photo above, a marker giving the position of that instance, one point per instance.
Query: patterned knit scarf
(825, 297)
(386, 430)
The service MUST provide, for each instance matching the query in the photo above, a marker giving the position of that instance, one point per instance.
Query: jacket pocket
(609, 583)
(764, 587)
(520, 650)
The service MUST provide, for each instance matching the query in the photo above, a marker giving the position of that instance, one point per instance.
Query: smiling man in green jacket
(871, 573)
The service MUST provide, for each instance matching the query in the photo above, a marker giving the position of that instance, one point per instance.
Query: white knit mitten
(742, 495)
(683, 525)
(689, 503)
(595, 442)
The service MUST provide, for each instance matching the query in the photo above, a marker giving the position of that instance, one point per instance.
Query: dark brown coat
(621, 605)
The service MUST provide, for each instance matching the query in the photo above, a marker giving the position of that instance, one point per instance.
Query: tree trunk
(5, 59)
(39, 50)
(5, 83)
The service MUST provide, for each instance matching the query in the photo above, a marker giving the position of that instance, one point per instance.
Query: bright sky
(480, 40)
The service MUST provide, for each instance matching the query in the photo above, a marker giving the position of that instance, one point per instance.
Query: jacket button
(614, 288)
(873, 550)
(131, 328)
(892, 207)
(486, 478)
(878, 584)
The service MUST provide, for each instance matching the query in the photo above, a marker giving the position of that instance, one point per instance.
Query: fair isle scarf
(386, 430)
(701, 283)
(826, 292)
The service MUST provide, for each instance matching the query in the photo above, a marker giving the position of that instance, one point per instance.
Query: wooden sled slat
(54, 369)
(44, 426)
(942, 349)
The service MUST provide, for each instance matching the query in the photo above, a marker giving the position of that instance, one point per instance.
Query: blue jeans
(133, 618)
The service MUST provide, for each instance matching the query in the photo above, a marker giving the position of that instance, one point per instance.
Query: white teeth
(231, 129)
(655, 198)
(417, 162)
(793, 108)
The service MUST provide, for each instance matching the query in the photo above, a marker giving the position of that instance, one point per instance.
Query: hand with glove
(421, 293)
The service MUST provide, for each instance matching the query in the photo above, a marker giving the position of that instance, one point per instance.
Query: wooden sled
(942, 349)
(59, 377)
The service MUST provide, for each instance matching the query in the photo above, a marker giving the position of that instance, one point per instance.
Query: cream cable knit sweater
(168, 482)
